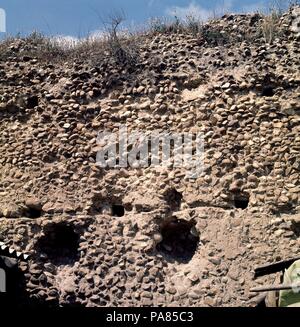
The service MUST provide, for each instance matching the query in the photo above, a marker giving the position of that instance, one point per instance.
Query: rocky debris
(110, 226)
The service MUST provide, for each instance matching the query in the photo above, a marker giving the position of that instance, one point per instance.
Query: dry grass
(270, 27)
(190, 25)
(123, 48)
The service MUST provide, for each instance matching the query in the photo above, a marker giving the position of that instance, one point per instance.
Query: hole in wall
(295, 227)
(59, 243)
(118, 210)
(268, 91)
(67, 155)
(179, 240)
(32, 101)
(128, 207)
(33, 213)
(241, 201)
(15, 294)
(96, 205)
(143, 208)
(173, 198)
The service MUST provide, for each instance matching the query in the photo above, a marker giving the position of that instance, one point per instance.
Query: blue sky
(78, 18)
